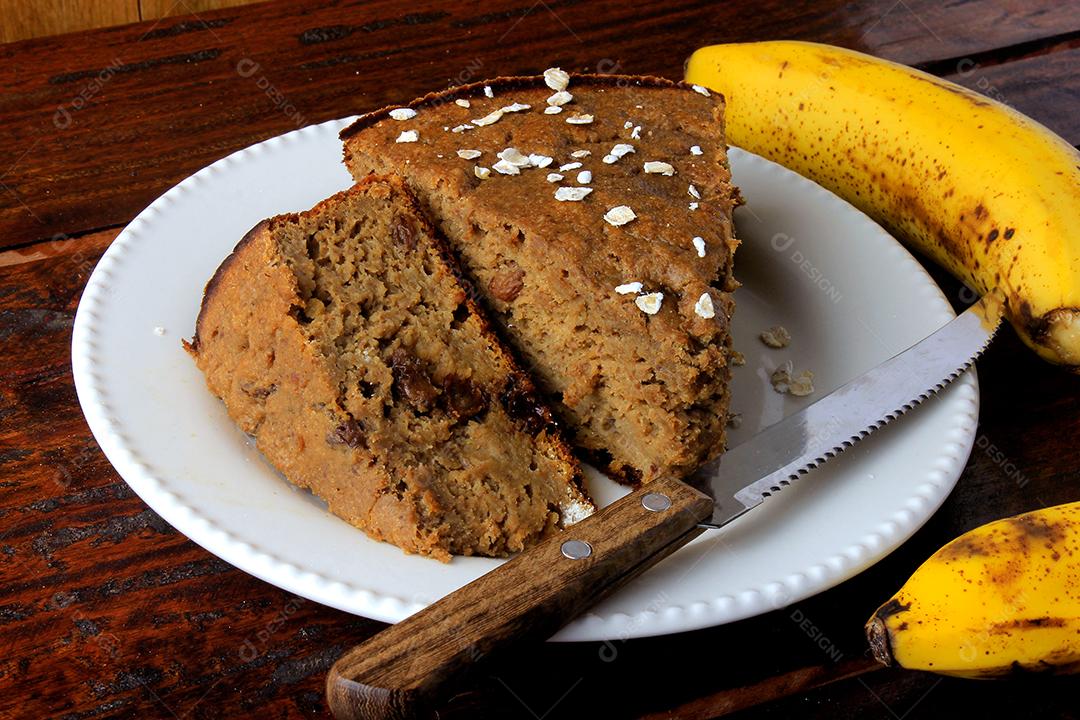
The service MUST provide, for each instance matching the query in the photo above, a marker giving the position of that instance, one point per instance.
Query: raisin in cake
(593, 214)
(343, 340)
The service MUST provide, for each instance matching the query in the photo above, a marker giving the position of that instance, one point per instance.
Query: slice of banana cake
(593, 214)
(345, 342)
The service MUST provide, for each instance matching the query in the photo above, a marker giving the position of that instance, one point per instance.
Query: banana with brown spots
(1001, 599)
(981, 189)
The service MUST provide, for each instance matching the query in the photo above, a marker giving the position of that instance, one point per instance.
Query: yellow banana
(981, 189)
(1002, 598)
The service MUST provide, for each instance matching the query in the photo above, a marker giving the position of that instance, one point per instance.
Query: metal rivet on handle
(576, 549)
(656, 502)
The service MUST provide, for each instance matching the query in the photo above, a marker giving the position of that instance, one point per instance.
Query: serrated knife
(401, 671)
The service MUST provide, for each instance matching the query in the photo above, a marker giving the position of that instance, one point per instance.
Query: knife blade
(403, 671)
(800, 442)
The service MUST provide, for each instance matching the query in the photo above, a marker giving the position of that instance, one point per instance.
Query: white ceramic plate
(849, 294)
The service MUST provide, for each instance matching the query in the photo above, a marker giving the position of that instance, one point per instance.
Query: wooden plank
(96, 126)
(153, 9)
(23, 19)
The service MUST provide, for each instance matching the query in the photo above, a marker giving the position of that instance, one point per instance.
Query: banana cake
(344, 340)
(593, 214)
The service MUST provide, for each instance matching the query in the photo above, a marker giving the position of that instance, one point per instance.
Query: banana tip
(877, 634)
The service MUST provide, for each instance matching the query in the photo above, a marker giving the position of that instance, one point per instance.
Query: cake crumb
(737, 358)
(656, 167)
(695, 150)
(628, 288)
(408, 136)
(159, 331)
(699, 245)
(462, 102)
(572, 194)
(776, 337)
(552, 110)
(650, 303)
(403, 113)
(704, 307)
(469, 154)
(734, 420)
(579, 119)
(619, 215)
(556, 78)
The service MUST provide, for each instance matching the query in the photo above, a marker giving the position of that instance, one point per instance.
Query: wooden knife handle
(399, 672)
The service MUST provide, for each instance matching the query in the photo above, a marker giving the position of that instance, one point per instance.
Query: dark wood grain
(107, 612)
(407, 668)
(96, 125)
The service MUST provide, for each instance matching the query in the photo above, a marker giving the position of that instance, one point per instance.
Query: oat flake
(619, 215)
(569, 166)
(554, 177)
(627, 288)
(514, 157)
(482, 172)
(700, 90)
(407, 136)
(516, 107)
(699, 245)
(488, 92)
(469, 154)
(506, 168)
(492, 117)
(704, 307)
(650, 304)
(694, 192)
(571, 194)
(552, 110)
(581, 153)
(776, 337)
(556, 78)
(659, 168)
(403, 113)
(584, 177)
(462, 102)
(560, 98)
(463, 128)
(695, 150)
(540, 161)
(579, 119)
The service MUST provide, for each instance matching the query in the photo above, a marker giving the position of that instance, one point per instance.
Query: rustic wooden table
(106, 611)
